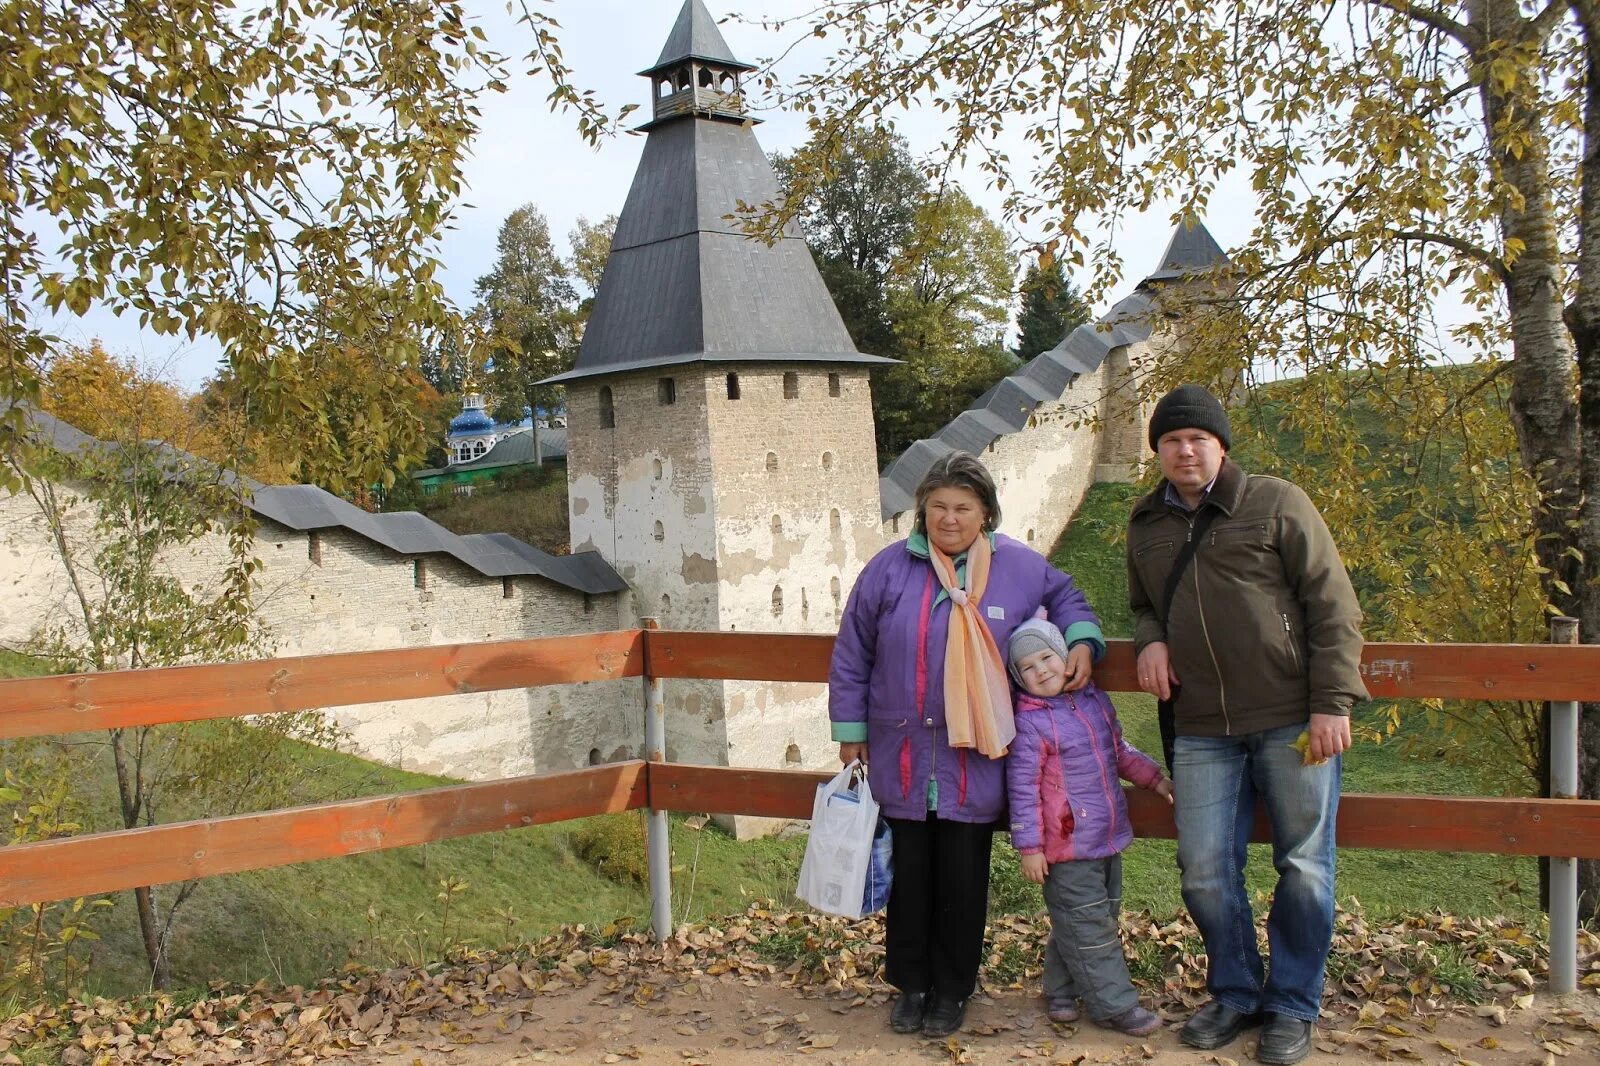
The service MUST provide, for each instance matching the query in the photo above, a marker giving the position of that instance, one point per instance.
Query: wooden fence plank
(738, 656)
(110, 862)
(1404, 823)
(76, 702)
(1450, 671)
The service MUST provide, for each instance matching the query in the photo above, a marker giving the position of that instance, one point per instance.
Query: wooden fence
(107, 862)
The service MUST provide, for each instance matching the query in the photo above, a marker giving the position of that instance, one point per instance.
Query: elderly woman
(918, 690)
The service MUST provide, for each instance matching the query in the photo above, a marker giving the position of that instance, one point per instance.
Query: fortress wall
(363, 596)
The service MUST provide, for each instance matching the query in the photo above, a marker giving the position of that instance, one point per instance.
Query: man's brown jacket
(1264, 628)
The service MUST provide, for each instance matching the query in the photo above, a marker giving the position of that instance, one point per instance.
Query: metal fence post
(658, 845)
(1563, 871)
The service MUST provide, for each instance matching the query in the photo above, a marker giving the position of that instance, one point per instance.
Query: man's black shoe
(909, 1009)
(1284, 1040)
(1215, 1025)
(944, 1017)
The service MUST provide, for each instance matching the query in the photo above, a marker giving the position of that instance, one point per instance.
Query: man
(1260, 643)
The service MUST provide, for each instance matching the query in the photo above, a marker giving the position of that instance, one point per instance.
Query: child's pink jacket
(1062, 774)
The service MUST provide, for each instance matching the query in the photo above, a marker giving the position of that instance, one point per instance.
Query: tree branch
(1465, 247)
(1465, 36)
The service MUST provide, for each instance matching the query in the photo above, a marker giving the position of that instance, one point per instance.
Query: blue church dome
(471, 423)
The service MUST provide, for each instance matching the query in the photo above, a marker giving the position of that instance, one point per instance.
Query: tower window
(791, 385)
(777, 601)
(666, 390)
(772, 462)
(733, 386)
(664, 88)
(833, 384)
(608, 413)
(660, 532)
(707, 79)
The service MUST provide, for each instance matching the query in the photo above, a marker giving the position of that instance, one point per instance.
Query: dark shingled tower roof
(695, 36)
(1191, 251)
(684, 284)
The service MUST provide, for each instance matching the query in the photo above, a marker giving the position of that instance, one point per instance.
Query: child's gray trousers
(1084, 958)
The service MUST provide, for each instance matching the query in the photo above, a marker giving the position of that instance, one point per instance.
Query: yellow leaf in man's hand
(1302, 744)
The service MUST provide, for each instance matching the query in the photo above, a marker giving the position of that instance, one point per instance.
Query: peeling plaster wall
(363, 596)
(797, 508)
(641, 494)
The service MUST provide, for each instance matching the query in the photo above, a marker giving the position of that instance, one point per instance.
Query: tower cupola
(696, 73)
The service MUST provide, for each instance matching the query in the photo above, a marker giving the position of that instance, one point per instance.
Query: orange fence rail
(105, 862)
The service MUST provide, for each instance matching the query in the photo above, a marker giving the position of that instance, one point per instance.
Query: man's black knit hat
(1190, 407)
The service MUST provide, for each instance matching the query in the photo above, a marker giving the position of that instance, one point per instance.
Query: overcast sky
(524, 153)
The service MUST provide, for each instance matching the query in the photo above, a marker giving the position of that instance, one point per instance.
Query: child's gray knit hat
(1035, 635)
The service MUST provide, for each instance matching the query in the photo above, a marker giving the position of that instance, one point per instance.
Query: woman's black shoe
(909, 1009)
(944, 1017)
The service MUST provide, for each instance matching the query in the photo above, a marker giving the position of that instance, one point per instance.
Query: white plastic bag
(844, 816)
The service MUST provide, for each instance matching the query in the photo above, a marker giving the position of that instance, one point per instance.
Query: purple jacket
(1065, 797)
(886, 683)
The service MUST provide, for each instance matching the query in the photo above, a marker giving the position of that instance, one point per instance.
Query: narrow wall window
(1030, 536)
(805, 607)
(777, 525)
(508, 588)
(594, 756)
(660, 531)
(827, 460)
(314, 547)
(666, 390)
(791, 755)
(791, 385)
(733, 386)
(608, 413)
(835, 523)
(833, 587)
(777, 601)
(666, 603)
(772, 462)
(588, 604)
(655, 469)
(419, 573)
(833, 384)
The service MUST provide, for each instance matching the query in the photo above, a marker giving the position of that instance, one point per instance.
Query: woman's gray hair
(959, 470)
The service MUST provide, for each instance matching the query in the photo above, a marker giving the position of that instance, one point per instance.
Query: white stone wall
(364, 597)
(641, 494)
(796, 502)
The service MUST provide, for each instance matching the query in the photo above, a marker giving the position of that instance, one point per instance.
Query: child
(1069, 822)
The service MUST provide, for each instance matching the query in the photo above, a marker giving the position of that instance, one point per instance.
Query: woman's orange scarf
(977, 697)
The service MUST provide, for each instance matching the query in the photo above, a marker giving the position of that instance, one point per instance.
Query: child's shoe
(1135, 1021)
(1062, 1010)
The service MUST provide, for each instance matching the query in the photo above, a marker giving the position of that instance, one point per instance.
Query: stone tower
(720, 437)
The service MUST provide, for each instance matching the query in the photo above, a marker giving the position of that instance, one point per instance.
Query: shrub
(614, 845)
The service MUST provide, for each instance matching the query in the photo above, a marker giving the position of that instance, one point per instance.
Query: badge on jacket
(996, 611)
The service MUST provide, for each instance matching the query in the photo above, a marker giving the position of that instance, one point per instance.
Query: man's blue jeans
(1216, 783)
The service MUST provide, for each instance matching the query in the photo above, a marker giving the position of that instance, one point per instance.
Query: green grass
(14, 664)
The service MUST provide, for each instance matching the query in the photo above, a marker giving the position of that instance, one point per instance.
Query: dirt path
(659, 1017)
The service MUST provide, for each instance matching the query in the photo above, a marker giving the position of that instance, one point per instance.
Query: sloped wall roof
(307, 508)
